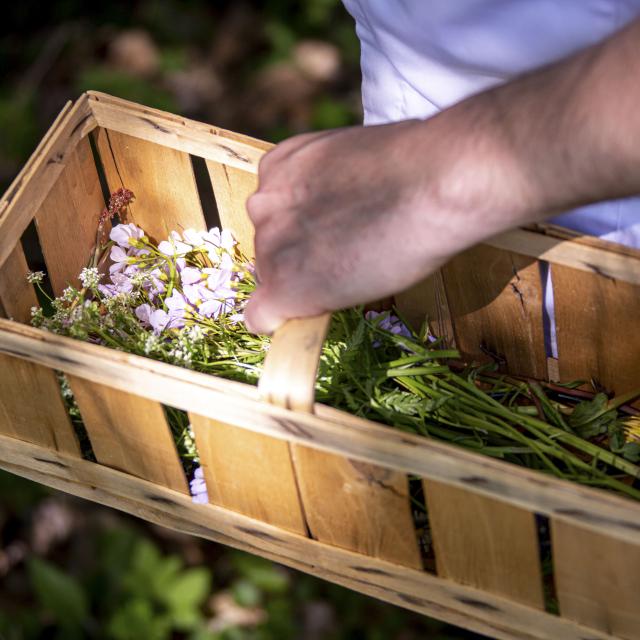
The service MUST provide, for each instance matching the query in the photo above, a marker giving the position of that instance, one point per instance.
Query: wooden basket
(309, 486)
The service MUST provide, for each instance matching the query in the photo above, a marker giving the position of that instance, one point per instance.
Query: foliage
(124, 85)
(59, 595)
(132, 590)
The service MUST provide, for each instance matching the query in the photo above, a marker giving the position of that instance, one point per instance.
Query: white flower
(69, 294)
(151, 343)
(90, 276)
(35, 276)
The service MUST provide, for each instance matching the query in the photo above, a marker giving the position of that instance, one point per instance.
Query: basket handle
(290, 368)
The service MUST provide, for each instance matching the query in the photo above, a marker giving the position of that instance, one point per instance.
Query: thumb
(260, 315)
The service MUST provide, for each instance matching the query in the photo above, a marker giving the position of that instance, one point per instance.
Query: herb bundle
(181, 301)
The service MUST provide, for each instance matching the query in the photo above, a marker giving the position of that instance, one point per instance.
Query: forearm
(347, 216)
(559, 137)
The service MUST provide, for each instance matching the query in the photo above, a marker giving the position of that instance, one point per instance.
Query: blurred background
(72, 569)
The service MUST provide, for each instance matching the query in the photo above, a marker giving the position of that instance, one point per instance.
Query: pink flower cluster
(188, 276)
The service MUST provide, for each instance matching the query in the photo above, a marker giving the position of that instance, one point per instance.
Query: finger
(260, 315)
(288, 147)
(260, 206)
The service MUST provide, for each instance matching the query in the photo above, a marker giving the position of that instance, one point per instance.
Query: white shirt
(421, 56)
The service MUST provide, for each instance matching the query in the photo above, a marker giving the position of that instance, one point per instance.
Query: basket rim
(329, 429)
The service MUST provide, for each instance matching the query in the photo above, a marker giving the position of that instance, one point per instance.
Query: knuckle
(269, 160)
(257, 207)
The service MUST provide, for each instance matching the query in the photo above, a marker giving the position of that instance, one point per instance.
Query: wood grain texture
(346, 503)
(31, 406)
(43, 421)
(357, 506)
(126, 432)
(427, 301)
(20, 204)
(249, 473)
(485, 543)
(291, 365)
(17, 296)
(597, 580)
(67, 221)
(175, 132)
(495, 296)
(232, 187)
(495, 299)
(166, 195)
(597, 329)
(590, 255)
(576, 237)
(485, 613)
(328, 430)
(129, 433)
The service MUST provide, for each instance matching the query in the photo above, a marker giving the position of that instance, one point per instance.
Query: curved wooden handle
(289, 375)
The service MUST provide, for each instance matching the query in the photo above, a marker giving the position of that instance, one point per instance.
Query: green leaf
(592, 417)
(631, 451)
(246, 594)
(330, 113)
(587, 410)
(137, 620)
(262, 573)
(59, 593)
(166, 573)
(185, 595)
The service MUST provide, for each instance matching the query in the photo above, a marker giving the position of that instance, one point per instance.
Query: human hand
(352, 215)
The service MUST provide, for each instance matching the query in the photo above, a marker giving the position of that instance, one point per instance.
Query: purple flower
(193, 237)
(191, 275)
(143, 312)
(126, 234)
(174, 246)
(389, 323)
(209, 303)
(198, 487)
(217, 278)
(120, 259)
(218, 244)
(177, 305)
(210, 308)
(107, 290)
(121, 282)
(159, 320)
(196, 293)
(153, 284)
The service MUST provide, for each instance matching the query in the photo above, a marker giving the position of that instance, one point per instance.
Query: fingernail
(258, 319)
